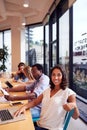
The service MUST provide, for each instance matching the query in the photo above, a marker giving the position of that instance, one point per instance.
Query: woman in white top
(56, 101)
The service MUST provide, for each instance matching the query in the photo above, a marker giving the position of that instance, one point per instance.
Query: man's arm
(19, 88)
(24, 97)
(29, 105)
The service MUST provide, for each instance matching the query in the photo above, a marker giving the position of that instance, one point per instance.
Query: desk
(26, 124)
(14, 83)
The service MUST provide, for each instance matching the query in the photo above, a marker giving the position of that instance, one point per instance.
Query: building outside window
(80, 55)
(80, 48)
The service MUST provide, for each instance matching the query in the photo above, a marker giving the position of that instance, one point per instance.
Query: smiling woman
(56, 101)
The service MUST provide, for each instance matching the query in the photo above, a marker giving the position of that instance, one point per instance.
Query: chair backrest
(67, 119)
(35, 119)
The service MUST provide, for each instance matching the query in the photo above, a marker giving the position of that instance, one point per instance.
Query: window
(1, 40)
(54, 54)
(54, 31)
(5, 40)
(80, 48)
(80, 55)
(34, 42)
(64, 41)
(46, 49)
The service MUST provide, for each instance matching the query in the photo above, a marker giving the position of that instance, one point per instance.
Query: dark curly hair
(39, 66)
(21, 74)
(63, 84)
(21, 64)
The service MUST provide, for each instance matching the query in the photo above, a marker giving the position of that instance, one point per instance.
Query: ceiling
(14, 8)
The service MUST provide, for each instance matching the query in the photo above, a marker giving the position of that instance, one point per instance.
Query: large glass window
(54, 49)
(54, 38)
(47, 49)
(34, 53)
(80, 48)
(80, 55)
(1, 40)
(64, 41)
(5, 41)
(54, 31)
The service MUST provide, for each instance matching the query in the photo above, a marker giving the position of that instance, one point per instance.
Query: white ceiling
(14, 8)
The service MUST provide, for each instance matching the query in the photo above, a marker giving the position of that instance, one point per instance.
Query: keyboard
(5, 115)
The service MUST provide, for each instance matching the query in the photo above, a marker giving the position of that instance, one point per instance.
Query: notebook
(14, 119)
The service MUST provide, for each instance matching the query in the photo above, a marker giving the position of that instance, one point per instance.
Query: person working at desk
(56, 100)
(20, 75)
(34, 89)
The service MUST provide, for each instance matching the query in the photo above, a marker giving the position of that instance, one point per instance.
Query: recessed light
(26, 3)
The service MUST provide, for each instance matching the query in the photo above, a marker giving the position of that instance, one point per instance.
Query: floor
(80, 123)
(77, 125)
(83, 110)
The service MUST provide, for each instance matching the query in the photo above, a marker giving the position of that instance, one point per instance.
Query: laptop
(10, 118)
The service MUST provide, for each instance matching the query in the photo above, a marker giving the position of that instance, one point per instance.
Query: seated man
(20, 75)
(33, 90)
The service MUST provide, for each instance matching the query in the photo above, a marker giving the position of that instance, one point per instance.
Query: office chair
(67, 119)
(35, 119)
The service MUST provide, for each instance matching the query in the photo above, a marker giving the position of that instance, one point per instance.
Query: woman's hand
(20, 111)
(69, 106)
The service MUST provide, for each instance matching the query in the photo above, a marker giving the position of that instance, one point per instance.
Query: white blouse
(52, 112)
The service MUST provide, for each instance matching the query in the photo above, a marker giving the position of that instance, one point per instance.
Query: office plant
(3, 58)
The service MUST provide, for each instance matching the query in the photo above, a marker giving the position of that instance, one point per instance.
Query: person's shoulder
(44, 76)
(47, 90)
(70, 91)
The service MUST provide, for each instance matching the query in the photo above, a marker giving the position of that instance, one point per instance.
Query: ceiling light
(23, 21)
(23, 24)
(26, 3)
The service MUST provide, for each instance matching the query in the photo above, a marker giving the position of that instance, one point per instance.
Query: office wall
(15, 43)
(14, 24)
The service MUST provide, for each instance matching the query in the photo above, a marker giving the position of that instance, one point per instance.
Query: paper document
(3, 100)
(3, 90)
